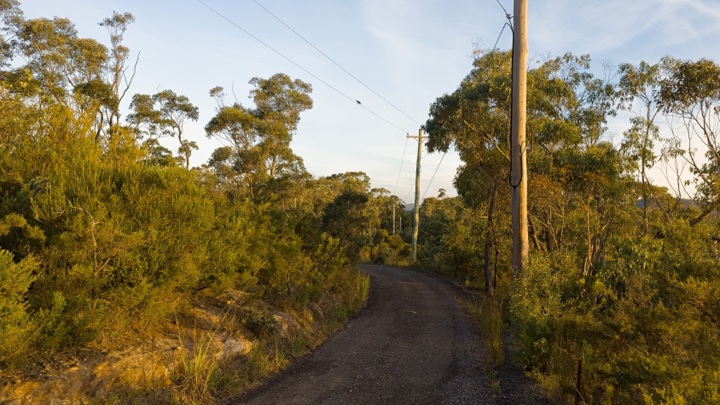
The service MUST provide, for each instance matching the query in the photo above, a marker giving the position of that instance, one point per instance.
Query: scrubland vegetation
(107, 236)
(620, 299)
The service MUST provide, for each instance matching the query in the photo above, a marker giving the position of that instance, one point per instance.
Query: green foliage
(164, 114)
(17, 329)
(388, 249)
(259, 138)
(641, 327)
(348, 206)
(102, 237)
(537, 303)
(260, 323)
(448, 236)
(625, 291)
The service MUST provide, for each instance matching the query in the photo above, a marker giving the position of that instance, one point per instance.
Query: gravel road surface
(412, 344)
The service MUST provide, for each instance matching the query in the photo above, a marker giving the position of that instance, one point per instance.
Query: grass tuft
(198, 371)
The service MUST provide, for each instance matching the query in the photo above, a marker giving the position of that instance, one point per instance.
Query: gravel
(411, 344)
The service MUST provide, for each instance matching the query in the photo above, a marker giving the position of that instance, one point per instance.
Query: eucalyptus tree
(567, 110)
(62, 69)
(475, 119)
(118, 82)
(260, 137)
(10, 17)
(57, 60)
(691, 95)
(164, 114)
(641, 85)
(634, 315)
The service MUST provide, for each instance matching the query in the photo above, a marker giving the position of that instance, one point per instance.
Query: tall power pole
(394, 217)
(416, 209)
(518, 145)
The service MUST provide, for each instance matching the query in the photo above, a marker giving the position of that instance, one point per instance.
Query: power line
(300, 67)
(433, 176)
(408, 194)
(503, 7)
(401, 165)
(501, 32)
(422, 164)
(336, 64)
(507, 24)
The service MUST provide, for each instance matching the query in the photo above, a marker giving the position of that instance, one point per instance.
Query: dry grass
(197, 371)
(199, 378)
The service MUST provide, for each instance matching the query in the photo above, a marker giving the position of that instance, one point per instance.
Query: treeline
(104, 232)
(620, 300)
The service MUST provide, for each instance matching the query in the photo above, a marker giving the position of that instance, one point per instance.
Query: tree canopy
(611, 292)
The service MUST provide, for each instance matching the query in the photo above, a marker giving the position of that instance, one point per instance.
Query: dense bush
(618, 302)
(104, 235)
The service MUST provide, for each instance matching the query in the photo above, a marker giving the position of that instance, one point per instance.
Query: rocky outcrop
(146, 366)
(286, 323)
(135, 369)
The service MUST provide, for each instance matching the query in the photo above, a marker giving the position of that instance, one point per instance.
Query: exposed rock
(136, 368)
(286, 323)
(226, 349)
(205, 318)
(233, 297)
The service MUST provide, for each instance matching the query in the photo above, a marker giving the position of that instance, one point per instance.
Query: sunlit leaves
(164, 114)
(260, 137)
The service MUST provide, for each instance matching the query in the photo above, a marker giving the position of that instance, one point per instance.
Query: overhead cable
(300, 67)
(433, 176)
(401, 165)
(503, 7)
(422, 164)
(336, 64)
(508, 23)
(501, 32)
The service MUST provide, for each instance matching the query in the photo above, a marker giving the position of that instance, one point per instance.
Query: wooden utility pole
(416, 209)
(394, 218)
(518, 146)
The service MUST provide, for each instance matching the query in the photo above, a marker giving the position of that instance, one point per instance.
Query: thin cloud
(617, 24)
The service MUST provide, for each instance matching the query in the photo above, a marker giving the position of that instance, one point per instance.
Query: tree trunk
(532, 231)
(548, 235)
(489, 287)
(588, 257)
(642, 175)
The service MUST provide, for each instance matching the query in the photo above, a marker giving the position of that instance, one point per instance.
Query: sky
(408, 51)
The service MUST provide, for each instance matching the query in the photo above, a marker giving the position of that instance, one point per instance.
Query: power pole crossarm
(416, 209)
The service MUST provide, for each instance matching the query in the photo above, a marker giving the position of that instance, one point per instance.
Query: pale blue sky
(408, 51)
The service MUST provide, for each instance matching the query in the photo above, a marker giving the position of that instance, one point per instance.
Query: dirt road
(412, 344)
